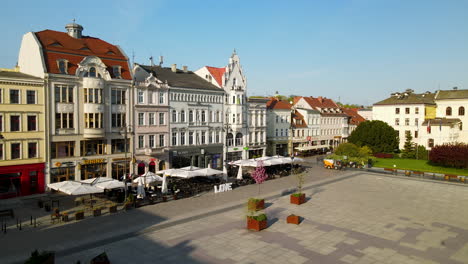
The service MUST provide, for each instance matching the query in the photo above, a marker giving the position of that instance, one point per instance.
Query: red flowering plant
(259, 175)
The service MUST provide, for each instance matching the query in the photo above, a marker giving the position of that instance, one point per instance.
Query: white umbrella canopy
(104, 183)
(142, 180)
(209, 171)
(80, 189)
(239, 173)
(56, 186)
(96, 180)
(184, 173)
(164, 184)
(191, 168)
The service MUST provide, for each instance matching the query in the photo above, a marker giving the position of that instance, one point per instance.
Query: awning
(305, 148)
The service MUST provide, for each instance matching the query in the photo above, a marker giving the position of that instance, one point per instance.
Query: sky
(353, 51)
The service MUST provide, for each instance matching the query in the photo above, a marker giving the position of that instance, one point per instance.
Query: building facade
(88, 102)
(453, 104)
(22, 134)
(279, 125)
(257, 120)
(151, 121)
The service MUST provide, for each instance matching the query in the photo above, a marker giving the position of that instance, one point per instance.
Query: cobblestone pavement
(353, 217)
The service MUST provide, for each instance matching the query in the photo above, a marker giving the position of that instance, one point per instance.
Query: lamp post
(293, 110)
(127, 130)
(226, 129)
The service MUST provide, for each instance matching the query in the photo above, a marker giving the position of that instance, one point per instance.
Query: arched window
(461, 111)
(190, 116)
(203, 119)
(92, 72)
(174, 116)
(182, 116)
(238, 139)
(229, 139)
(141, 168)
(448, 111)
(62, 66)
(152, 166)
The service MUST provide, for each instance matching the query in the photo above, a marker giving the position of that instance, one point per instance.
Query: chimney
(320, 99)
(185, 69)
(74, 30)
(174, 67)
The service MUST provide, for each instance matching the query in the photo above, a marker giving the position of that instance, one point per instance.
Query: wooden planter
(97, 212)
(255, 225)
(293, 219)
(127, 206)
(113, 209)
(254, 205)
(175, 197)
(164, 198)
(79, 215)
(297, 199)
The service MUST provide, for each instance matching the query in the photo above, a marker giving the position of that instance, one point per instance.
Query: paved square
(364, 218)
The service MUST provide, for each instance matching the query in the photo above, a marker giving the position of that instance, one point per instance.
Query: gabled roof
(320, 102)
(59, 45)
(408, 98)
(452, 94)
(356, 119)
(180, 78)
(298, 116)
(217, 74)
(278, 104)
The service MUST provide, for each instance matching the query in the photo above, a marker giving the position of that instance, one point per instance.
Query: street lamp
(126, 130)
(226, 129)
(293, 110)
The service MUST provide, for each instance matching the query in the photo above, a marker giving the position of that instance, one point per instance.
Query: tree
(347, 149)
(408, 148)
(422, 153)
(259, 175)
(377, 135)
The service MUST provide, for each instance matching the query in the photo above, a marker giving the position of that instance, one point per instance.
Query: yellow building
(22, 134)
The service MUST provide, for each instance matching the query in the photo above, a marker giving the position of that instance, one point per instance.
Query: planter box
(97, 212)
(297, 200)
(293, 219)
(164, 198)
(127, 206)
(256, 205)
(255, 225)
(175, 197)
(113, 209)
(79, 216)
(65, 217)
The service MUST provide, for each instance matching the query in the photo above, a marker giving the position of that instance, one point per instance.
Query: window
(14, 96)
(151, 119)
(416, 122)
(203, 117)
(174, 139)
(117, 96)
(407, 122)
(190, 138)
(151, 141)
(276, 132)
(416, 134)
(461, 111)
(14, 123)
(430, 142)
(93, 95)
(62, 66)
(62, 149)
(190, 116)
(174, 116)
(92, 72)
(448, 111)
(161, 119)
(1, 95)
(1, 152)
(182, 116)
(118, 146)
(141, 141)
(31, 97)
(63, 93)
(397, 121)
(233, 118)
(15, 150)
(141, 97)
(32, 150)
(217, 137)
(141, 119)
(161, 98)
(93, 120)
(210, 137)
(416, 110)
(150, 97)
(182, 138)
(397, 110)
(116, 70)
(203, 137)
(32, 124)
(118, 119)
(407, 110)
(63, 120)
(161, 140)
(1, 123)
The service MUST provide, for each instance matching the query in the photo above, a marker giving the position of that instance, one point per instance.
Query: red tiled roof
(217, 74)
(59, 45)
(356, 119)
(277, 104)
(320, 102)
(299, 116)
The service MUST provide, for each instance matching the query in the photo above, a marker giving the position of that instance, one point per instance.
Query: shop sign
(246, 148)
(121, 159)
(235, 148)
(94, 161)
(223, 187)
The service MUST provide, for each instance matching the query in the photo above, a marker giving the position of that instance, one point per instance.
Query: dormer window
(62, 66)
(117, 71)
(92, 72)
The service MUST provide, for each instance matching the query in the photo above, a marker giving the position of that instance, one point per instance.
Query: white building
(453, 104)
(257, 121)
(87, 84)
(279, 125)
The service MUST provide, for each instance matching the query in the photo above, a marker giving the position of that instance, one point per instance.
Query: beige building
(22, 134)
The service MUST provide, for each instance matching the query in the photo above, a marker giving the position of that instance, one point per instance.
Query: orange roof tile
(356, 119)
(277, 104)
(217, 74)
(320, 102)
(59, 45)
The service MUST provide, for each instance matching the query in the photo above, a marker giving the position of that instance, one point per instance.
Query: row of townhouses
(75, 108)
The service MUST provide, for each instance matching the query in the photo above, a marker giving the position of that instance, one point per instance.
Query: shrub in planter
(65, 216)
(293, 219)
(255, 204)
(97, 211)
(256, 222)
(297, 198)
(79, 215)
(128, 205)
(45, 257)
(113, 208)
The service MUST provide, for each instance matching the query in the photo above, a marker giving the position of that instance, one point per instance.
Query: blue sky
(355, 51)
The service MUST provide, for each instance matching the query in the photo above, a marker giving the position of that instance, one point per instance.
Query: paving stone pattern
(364, 218)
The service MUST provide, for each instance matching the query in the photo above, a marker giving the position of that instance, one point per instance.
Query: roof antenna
(151, 61)
(161, 60)
(133, 57)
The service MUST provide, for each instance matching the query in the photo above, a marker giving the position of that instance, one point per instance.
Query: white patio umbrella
(239, 173)
(56, 186)
(142, 180)
(104, 183)
(209, 171)
(80, 189)
(190, 168)
(164, 184)
(184, 173)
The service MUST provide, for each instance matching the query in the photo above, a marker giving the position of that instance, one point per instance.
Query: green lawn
(417, 165)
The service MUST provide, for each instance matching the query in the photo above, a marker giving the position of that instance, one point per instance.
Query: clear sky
(357, 51)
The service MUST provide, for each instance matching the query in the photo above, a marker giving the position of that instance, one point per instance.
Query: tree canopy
(377, 135)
